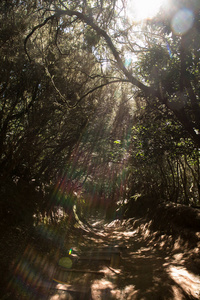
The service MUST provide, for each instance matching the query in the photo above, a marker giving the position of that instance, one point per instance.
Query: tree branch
(85, 95)
(33, 30)
(98, 87)
(147, 90)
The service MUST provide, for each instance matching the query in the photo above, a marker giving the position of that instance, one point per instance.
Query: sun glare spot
(182, 21)
(143, 9)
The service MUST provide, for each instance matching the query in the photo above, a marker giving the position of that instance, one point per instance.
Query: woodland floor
(120, 260)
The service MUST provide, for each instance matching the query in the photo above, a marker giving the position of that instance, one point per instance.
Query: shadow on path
(109, 262)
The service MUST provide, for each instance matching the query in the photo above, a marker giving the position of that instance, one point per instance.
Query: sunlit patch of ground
(189, 282)
(151, 269)
(105, 290)
(102, 289)
(61, 297)
(137, 264)
(129, 233)
(114, 224)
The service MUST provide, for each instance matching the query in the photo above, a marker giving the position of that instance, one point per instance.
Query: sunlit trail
(188, 281)
(92, 179)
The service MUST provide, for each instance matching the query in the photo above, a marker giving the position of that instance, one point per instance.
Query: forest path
(115, 262)
(147, 272)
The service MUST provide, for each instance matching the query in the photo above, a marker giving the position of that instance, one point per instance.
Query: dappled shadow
(146, 272)
(116, 261)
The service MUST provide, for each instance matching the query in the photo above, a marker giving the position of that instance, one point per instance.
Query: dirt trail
(148, 273)
(114, 261)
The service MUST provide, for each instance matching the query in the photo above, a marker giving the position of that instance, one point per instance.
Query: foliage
(165, 147)
(164, 161)
(95, 111)
(38, 130)
(66, 95)
(98, 165)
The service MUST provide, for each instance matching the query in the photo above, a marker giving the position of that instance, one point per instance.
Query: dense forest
(93, 105)
(97, 111)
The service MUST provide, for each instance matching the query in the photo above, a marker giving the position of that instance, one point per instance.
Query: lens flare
(182, 21)
(65, 262)
(169, 50)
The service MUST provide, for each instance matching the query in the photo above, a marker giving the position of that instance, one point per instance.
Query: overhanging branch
(147, 90)
(65, 101)
(33, 30)
(88, 20)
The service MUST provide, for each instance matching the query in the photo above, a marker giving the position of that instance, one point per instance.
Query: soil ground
(122, 260)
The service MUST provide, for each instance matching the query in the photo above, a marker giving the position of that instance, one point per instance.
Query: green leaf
(117, 142)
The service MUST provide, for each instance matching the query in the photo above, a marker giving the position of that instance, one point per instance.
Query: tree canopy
(94, 99)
